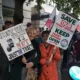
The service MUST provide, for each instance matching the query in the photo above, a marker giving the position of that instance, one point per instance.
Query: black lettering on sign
(21, 38)
(13, 55)
(28, 48)
(54, 40)
(61, 32)
(68, 18)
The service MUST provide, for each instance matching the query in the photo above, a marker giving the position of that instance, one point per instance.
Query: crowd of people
(37, 64)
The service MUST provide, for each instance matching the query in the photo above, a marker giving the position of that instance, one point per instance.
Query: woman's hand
(29, 65)
(24, 60)
(47, 62)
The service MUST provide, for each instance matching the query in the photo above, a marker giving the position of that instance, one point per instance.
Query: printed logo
(64, 43)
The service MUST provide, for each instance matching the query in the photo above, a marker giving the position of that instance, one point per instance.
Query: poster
(51, 20)
(15, 42)
(62, 30)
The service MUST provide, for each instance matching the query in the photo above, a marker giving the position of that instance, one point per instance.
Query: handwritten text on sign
(15, 42)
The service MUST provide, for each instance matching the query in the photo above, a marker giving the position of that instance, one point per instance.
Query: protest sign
(51, 20)
(15, 41)
(78, 27)
(62, 30)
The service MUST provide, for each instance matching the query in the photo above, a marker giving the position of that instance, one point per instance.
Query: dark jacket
(16, 68)
(16, 64)
(4, 65)
(34, 55)
(39, 40)
(14, 72)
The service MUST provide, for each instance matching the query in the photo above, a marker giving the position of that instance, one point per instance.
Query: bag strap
(52, 55)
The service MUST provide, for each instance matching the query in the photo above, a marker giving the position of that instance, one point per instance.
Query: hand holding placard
(54, 51)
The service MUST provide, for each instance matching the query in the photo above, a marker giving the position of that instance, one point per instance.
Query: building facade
(28, 10)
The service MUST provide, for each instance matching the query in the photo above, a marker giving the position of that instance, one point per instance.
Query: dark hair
(45, 32)
(8, 22)
(29, 24)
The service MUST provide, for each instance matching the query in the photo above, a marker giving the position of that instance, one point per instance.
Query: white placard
(15, 41)
(62, 30)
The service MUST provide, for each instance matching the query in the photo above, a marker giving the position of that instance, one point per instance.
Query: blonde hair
(31, 29)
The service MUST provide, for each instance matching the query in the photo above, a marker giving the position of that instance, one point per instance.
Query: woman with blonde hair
(31, 31)
(31, 59)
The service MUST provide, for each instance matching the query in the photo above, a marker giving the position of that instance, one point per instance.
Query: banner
(78, 27)
(51, 20)
(62, 30)
(15, 42)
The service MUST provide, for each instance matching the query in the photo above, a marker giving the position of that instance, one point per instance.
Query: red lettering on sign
(53, 42)
(66, 24)
(23, 43)
(57, 36)
(18, 44)
(59, 25)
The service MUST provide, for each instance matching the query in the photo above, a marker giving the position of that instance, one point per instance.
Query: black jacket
(33, 55)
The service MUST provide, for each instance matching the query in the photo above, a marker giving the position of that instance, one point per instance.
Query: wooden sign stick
(50, 59)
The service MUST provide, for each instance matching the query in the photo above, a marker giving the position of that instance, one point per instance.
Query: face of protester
(8, 25)
(37, 32)
(45, 37)
(32, 34)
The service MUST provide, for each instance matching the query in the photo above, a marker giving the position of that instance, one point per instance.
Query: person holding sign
(4, 63)
(30, 60)
(49, 55)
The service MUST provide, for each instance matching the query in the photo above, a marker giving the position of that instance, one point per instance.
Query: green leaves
(69, 6)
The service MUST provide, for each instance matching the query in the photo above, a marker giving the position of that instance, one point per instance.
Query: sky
(48, 8)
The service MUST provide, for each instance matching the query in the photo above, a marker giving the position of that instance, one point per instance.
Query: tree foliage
(70, 6)
(39, 2)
